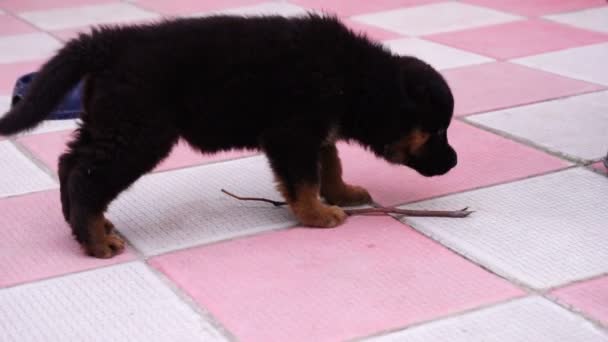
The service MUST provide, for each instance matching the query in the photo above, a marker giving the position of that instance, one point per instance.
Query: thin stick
(275, 203)
(381, 210)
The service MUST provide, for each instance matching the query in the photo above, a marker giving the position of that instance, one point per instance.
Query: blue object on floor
(69, 108)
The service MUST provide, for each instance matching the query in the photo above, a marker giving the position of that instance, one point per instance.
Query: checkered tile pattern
(531, 88)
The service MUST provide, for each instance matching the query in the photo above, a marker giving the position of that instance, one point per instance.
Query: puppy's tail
(54, 80)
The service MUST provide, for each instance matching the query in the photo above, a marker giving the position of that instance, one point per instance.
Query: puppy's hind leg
(107, 163)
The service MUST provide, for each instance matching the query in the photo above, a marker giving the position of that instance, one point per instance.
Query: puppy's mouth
(434, 166)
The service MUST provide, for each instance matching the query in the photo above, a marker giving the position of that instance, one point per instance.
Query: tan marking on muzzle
(411, 144)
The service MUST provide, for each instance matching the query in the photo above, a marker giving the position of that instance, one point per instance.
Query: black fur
(286, 86)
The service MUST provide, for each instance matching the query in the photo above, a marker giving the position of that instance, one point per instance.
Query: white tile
(30, 46)
(18, 174)
(543, 231)
(54, 126)
(182, 208)
(595, 19)
(529, 319)
(64, 18)
(439, 56)
(586, 63)
(576, 127)
(5, 104)
(434, 18)
(265, 8)
(119, 303)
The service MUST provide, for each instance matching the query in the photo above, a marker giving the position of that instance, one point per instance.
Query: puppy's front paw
(348, 195)
(111, 246)
(322, 217)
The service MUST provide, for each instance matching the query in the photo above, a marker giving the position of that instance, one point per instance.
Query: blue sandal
(69, 108)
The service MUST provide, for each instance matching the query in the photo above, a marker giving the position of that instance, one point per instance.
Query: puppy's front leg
(294, 158)
(333, 188)
(306, 206)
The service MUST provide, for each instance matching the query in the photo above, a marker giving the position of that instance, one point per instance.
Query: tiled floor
(531, 264)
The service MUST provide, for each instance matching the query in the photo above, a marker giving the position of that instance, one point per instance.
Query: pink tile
(192, 6)
(183, 155)
(538, 7)
(371, 274)
(492, 86)
(40, 5)
(10, 72)
(599, 166)
(49, 146)
(10, 25)
(519, 39)
(346, 8)
(372, 32)
(66, 35)
(483, 159)
(591, 297)
(73, 32)
(37, 242)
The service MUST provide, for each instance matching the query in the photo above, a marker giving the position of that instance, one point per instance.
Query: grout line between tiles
(190, 302)
(525, 142)
(529, 291)
(436, 319)
(511, 280)
(32, 157)
(569, 167)
(580, 313)
(532, 102)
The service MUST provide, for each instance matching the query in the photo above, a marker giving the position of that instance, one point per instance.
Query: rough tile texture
(63, 18)
(37, 242)
(28, 46)
(440, 17)
(538, 7)
(439, 56)
(589, 297)
(119, 303)
(520, 230)
(380, 274)
(483, 159)
(490, 86)
(529, 319)
(168, 211)
(512, 64)
(48, 148)
(562, 122)
(18, 174)
(583, 63)
(519, 39)
(592, 19)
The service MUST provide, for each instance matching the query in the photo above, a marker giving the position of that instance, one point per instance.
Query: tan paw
(322, 217)
(348, 195)
(111, 246)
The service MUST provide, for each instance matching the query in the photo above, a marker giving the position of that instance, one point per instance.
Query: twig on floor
(380, 210)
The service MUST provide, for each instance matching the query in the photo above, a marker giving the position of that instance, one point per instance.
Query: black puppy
(290, 87)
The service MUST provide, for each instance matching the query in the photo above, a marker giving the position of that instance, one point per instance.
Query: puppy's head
(426, 110)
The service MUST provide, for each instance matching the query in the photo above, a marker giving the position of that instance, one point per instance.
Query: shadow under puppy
(290, 87)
